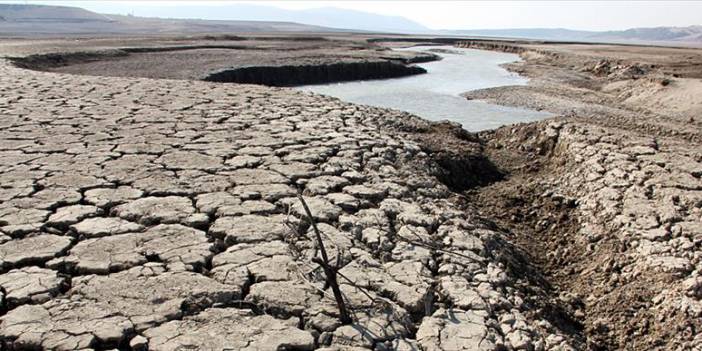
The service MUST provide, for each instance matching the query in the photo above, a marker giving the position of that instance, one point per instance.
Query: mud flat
(272, 61)
(152, 213)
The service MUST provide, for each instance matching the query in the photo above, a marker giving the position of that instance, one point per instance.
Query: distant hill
(221, 17)
(691, 34)
(678, 34)
(343, 18)
(45, 20)
(527, 33)
(42, 13)
(324, 17)
(52, 21)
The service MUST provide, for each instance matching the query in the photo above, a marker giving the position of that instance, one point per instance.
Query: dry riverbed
(161, 214)
(607, 200)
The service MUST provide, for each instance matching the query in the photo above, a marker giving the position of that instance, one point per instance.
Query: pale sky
(584, 15)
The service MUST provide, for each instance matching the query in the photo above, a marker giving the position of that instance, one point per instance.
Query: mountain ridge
(60, 21)
(29, 12)
(331, 17)
(52, 20)
(691, 34)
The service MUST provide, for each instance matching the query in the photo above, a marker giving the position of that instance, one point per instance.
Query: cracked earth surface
(162, 214)
(608, 200)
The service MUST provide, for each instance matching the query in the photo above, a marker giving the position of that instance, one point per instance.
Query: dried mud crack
(612, 288)
(163, 214)
(606, 201)
(140, 213)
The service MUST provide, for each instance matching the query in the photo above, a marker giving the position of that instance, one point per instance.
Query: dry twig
(329, 271)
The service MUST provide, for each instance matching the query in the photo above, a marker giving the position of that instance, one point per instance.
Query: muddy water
(436, 94)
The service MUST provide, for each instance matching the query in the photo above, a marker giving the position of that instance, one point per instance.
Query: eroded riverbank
(272, 61)
(153, 213)
(606, 201)
(158, 214)
(436, 95)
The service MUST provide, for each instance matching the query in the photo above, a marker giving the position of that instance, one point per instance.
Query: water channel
(436, 94)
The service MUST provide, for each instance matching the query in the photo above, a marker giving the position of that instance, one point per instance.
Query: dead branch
(329, 271)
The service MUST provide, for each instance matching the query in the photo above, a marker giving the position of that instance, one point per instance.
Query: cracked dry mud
(619, 232)
(608, 201)
(145, 214)
(162, 214)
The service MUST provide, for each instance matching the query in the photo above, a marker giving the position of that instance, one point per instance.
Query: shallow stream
(436, 94)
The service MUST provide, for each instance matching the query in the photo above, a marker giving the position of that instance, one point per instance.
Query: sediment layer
(260, 60)
(313, 74)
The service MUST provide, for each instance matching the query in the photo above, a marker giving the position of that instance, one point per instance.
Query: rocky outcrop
(494, 46)
(313, 74)
(449, 41)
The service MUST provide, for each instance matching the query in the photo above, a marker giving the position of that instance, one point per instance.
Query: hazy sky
(589, 15)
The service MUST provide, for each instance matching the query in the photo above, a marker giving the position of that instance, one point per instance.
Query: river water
(436, 94)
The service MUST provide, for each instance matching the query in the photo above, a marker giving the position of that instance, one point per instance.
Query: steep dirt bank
(289, 75)
(611, 220)
(268, 61)
(605, 201)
